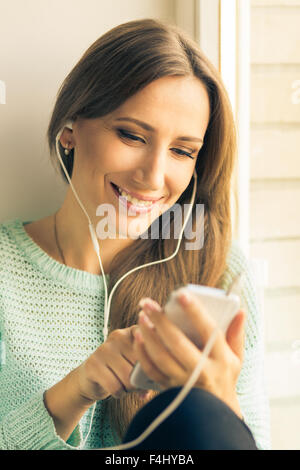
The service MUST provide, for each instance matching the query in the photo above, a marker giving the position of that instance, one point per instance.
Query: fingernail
(148, 309)
(150, 304)
(146, 320)
(142, 301)
(184, 298)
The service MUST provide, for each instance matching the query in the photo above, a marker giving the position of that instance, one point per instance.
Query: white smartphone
(220, 305)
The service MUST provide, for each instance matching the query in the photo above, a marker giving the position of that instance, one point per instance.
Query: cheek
(101, 156)
(112, 156)
(178, 187)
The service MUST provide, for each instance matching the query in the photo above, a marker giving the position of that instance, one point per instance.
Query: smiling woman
(148, 111)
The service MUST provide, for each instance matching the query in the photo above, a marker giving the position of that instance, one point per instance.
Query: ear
(67, 138)
(69, 125)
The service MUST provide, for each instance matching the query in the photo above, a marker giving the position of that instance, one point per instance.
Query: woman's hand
(168, 357)
(107, 371)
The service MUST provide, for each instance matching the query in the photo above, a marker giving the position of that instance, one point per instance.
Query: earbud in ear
(69, 125)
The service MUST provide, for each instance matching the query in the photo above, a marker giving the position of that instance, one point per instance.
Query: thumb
(132, 330)
(235, 335)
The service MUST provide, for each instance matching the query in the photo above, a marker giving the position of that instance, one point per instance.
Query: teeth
(133, 200)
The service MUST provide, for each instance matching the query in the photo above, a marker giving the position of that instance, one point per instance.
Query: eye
(126, 135)
(182, 152)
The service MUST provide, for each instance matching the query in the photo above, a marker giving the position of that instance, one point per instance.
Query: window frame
(222, 29)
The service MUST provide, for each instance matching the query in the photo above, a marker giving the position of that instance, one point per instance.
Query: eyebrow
(147, 127)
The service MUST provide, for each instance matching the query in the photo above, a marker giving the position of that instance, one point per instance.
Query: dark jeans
(201, 422)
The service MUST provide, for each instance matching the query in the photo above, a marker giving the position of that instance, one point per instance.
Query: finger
(235, 335)
(158, 353)
(126, 345)
(202, 321)
(148, 300)
(121, 368)
(179, 346)
(117, 388)
(106, 375)
(132, 330)
(147, 365)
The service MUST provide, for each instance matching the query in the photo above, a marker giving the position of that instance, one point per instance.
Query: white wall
(40, 42)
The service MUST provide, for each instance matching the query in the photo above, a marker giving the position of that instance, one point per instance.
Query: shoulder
(7, 253)
(12, 240)
(39, 231)
(7, 241)
(237, 258)
(238, 262)
(6, 230)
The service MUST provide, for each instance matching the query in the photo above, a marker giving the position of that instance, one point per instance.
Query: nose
(151, 172)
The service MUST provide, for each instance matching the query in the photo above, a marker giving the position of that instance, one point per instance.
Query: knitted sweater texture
(51, 320)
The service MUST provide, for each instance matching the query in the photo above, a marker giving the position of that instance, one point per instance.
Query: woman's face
(154, 161)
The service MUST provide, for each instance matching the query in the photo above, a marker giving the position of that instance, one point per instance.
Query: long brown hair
(119, 64)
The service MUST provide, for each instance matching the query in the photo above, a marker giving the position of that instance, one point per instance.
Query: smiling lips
(134, 198)
(141, 205)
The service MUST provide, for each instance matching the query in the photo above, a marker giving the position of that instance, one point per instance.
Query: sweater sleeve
(251, 385)
(30, 427)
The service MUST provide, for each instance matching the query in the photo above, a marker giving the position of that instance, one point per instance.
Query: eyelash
(125, 134)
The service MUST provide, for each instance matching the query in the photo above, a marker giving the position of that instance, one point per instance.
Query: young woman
(147, 110)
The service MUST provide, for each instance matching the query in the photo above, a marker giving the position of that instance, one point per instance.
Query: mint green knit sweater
(51, 320)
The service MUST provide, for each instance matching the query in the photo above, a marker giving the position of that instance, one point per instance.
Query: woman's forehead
(178, 101)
